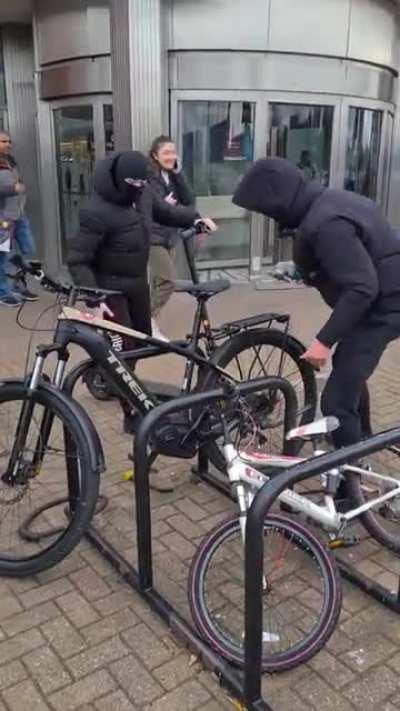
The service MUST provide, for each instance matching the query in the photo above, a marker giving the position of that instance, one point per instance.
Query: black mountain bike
(258, 346)
(50, 452)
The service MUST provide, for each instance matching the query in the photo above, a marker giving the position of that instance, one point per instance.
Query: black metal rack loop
(255, 549)
(141, 579)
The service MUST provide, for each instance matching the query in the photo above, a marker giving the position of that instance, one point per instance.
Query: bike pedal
(336, 543)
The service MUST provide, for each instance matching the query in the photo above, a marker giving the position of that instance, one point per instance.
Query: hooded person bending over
(345, 248)
(111, 247)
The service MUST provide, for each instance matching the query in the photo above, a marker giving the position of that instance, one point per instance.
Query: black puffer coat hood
(277, 189)
(110, 174)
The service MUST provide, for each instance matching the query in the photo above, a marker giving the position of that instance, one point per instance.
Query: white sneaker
(157, 333)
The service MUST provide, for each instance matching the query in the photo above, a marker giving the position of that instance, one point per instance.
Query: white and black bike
(302, 586)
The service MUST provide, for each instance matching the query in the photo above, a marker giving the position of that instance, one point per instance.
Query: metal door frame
(306, 99)
(218, 204)
(97, 101)
(49, 165)
(262, 100)
(382, 191)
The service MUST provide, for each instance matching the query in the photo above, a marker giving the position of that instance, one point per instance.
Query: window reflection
(3, 96)
(217, 140)
(3, 120)
(108, 128)
(303, 135)
(217, 144)
(362, 153)
(75, 163)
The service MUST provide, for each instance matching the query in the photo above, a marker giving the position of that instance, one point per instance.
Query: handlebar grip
(198, 229)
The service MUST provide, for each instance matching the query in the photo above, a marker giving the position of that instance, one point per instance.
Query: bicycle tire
(369, 519)
(232, 348)
(312, 643)
(76, 524)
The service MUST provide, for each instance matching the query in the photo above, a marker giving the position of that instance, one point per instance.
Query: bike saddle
(205, 289)
(315, 429)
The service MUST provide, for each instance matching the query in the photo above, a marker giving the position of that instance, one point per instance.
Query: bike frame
(89, 332)
(241, 472)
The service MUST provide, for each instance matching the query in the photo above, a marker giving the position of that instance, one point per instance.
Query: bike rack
(240, 685)
(254, 555)
(246, 686)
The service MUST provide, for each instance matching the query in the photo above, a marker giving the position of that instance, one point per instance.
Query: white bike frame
(247, 480)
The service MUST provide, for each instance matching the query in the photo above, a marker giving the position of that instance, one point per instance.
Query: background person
(167, 183)
(347, 250)
(12, 211)
(306, 165)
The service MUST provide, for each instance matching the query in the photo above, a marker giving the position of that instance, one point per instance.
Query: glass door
(217, 137)
(306, 133)
(83, 132)
(75, 155)
(366, 128)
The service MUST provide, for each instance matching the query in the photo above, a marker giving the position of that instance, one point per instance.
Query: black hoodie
(112, 244)
(344, 245)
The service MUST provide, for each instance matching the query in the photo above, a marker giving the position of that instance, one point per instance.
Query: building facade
(315, 81)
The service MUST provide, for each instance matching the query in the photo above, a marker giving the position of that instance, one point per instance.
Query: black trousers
(132, 309)
(346, 393)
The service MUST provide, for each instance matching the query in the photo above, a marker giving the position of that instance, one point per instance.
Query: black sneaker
(27, 295)
(11, 300)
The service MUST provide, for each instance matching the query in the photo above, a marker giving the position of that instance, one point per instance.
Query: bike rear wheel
(382, 522)
(260, 353)
(50, 466)
(302, 597)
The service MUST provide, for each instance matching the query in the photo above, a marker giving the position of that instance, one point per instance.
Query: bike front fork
(24, 420)
(25, 416)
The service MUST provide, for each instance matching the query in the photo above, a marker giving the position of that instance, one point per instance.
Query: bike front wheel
(39, 477)
(302, 593)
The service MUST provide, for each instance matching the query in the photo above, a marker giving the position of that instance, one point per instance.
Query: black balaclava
(129, 164)
(277, 189)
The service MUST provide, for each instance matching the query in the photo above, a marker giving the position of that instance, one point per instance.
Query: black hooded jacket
(344, 246)
(111, 246)
(161, 235)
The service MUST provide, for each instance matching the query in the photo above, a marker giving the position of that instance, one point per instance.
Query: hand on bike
(102, 311)
(208, 223)
(316, 354)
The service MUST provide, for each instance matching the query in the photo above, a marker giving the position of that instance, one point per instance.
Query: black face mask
(130, 166)
(131, 193)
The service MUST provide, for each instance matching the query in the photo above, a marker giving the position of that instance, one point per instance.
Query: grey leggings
(162, 276)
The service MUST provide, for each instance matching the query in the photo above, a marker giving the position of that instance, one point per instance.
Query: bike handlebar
(92, 296)
(198, 229)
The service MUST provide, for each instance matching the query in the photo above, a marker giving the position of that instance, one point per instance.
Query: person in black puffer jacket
(111, 248)
(346, 249)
